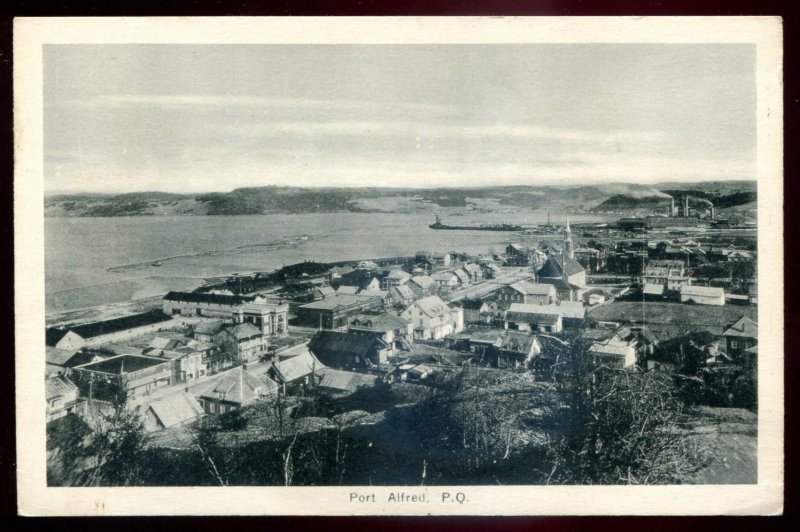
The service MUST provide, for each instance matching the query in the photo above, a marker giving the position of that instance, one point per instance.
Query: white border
(35, 498)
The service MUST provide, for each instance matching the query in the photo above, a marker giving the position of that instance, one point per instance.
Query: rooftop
(176, 409)
(204, 297)
(340, 300)
(91, 330)
(744, 327)
(122, 364)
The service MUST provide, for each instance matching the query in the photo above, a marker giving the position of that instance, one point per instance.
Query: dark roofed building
(533, 321)
(566, 274)
(204, 303)
(131, 375)
(351, 350)
(740, 336)
(89, 334)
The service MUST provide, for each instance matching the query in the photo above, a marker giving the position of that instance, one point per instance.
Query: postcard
(399, 266)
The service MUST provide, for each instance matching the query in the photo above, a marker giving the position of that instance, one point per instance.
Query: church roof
(555, 266)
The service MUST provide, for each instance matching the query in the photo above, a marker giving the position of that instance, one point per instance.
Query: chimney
(713, 213)
(686, 206)
(672, 207)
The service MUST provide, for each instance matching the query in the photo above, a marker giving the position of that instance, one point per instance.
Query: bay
(94, 261)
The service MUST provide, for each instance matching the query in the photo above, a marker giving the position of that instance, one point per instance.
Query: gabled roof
(347, 289)
(433, 306)
(541, 318)
(462, 276)
(58, 386)
(423, 281)
(91, 330)
(554, 267)
(382, 322)
(58, 357)
(653, 289)
(472, 268)
(533, 289)
(612, 347)
(398, 275)
(443, 276)
(744, 327)
(297, 367)
(176, 409)
(53, 335)
(403, 291)
(350, 343)
(160, 342)
(345, 380)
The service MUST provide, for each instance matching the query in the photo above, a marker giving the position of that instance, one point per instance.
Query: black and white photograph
(431, 267)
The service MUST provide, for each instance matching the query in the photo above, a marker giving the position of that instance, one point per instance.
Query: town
(329, 370)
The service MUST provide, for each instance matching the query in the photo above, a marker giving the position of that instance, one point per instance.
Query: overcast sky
(189, 118)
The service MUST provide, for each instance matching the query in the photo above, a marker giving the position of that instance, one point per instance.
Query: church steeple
(568, 250)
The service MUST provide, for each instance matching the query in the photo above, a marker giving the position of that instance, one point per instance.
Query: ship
(494, 227)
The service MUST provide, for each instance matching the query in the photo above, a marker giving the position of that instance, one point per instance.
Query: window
(734, 344)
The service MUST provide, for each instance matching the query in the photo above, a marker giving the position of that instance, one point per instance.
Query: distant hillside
(724, 199)
(295, 200)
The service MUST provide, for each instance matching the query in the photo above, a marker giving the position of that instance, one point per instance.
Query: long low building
(103, 332)
(204, 304)
(703, 295)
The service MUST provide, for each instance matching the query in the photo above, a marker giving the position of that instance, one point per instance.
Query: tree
(614, 426)
(118, 448)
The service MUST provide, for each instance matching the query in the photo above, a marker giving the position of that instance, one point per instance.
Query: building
(670, 274)
(502, 348)
(740, 336)
(572, 313)
(187, 363)
(432, 319)
(532, 320)
(103, 332)
(475, 310)
(243, 341)
(401, 296)
(131, 376)
(205, 304)
(526, 292)
(349, 350)
(335, 312)
(234, 390)
(703, 295)
(206, 330)
(172, 411)
(396, 332)
(62, 397)
(614, 353)
(270, 319)
(474, 271)
(296, 367)
(361, 279)
(566, 275)
(421, 285)
(397, 278)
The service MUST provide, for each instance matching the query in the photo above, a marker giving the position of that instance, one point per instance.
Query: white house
(433, 319)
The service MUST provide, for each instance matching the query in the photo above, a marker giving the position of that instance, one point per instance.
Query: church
(564, 272)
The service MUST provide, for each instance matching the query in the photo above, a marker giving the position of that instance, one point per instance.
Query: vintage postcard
(399, 266)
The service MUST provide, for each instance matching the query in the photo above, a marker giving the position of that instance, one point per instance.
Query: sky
(201, 118)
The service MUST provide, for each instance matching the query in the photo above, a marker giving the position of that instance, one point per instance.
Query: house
(133, 376)
(433, 319)
(172, 411)
(362, 279)
(206, 330)
(271, 319)
(187, 363)
(740, 336)
(703, 295)
(475, 310)
(396, 332)
(502, 348)
(115, 330)
(526, 292)
(613, 353)
(335, 312)
(445, 280)
(532, 320)
(397, 278)
(234, 390)
(421, 285)
(514, 250)
(401, 296)
(62, 397)
(58, 361)
(250, 343)
(474, 271)
(653, 292)
(350, 350)
(566, 275)
(338, 381)
(595, 296)
(296, 366)
(464, 279)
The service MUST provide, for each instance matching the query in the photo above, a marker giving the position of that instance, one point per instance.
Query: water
(93, 261)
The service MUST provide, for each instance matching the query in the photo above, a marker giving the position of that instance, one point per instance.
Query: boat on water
(494, 227)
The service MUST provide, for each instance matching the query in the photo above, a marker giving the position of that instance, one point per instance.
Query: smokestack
(672, 207)
(713, 213)
(686, 206)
